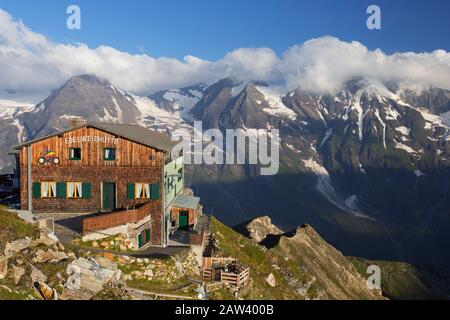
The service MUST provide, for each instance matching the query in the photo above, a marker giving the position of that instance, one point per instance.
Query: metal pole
(29, 182)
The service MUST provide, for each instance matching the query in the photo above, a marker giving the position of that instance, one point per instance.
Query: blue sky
(210, 29)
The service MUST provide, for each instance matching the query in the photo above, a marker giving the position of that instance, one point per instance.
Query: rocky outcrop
(310, 266)
(333, 274)
(259, 228)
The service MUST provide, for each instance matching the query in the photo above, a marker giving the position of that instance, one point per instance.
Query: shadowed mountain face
(367, 167)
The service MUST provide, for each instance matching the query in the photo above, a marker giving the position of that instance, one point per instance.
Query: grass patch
(28, 294)
(13, 228)
(405, 281)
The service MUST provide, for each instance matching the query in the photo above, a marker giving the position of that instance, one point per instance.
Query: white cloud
(324, 64)
(32, 65)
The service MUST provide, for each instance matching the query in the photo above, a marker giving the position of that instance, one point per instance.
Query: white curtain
(70, 190)
(78, 185)
(53, 188)
(44, 189)
(147, 190)
(138, 190)
(107, 153)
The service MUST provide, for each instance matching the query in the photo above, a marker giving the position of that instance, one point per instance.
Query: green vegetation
(12, 227)
(405, 281)
(27, 294)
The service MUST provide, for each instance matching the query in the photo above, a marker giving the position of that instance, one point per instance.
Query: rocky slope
(297, 265)
(35, 265)
(333, 275)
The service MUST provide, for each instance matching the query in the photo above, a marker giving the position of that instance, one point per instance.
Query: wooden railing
(114, 219)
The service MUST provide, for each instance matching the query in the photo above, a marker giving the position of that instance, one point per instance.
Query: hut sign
(97, 139)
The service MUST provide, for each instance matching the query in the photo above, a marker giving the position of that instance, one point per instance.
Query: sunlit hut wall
(173, 185)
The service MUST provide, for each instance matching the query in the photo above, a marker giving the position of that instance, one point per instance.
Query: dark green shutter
(130, 190)
(86, 190)
(154, 191)
(36, 190)
(61, 190)
(140, 240)
(147, 235)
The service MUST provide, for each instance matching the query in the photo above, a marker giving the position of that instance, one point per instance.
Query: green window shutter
(154, 191)
(147, 235)
(61, 190)
(36, 190)
(130, 190)
(86, 190)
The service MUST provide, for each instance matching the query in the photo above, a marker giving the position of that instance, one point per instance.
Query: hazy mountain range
(368, 167)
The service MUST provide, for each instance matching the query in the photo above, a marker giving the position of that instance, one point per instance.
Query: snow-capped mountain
(368, 167)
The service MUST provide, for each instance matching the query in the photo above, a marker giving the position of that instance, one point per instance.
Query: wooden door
(109, 196)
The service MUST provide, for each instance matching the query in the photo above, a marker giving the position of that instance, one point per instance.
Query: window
(109, 154)
(142, 191)
(180, 174)
(74, 190)
(48, 189)
(75, 154)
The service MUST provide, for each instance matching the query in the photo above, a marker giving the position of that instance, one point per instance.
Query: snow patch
(235, 91)
(276, 106)
(377, 114)
(290, 146)
(20, 129)
(403, 130)
(401, 146)
(326, 137)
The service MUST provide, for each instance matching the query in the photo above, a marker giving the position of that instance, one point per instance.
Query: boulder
(49, 255)
(37, 275)
(271, 280)
(148, 273)
(17, 246)
(128, 277)
(46, 239)
(18, 273)
(88, 274)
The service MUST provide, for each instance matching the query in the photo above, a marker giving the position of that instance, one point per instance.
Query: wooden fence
(109, 220)
(237, 275)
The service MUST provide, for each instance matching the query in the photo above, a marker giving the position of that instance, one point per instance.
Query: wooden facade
(92, 142)
(115, 180)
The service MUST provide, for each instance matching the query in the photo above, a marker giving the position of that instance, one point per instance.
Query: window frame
(143, 184)
(109, 159)
(75, 159)
(80, 196)
(49, 188)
